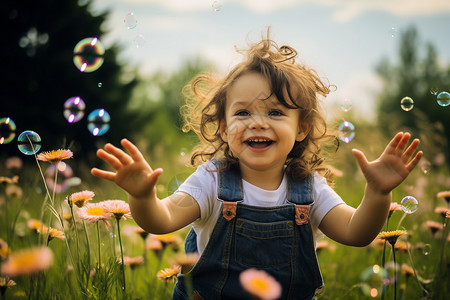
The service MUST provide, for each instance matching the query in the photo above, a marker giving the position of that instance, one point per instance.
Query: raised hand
(132, 172)
(393, 166)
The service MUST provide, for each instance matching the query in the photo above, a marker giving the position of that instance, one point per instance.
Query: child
(260, 196)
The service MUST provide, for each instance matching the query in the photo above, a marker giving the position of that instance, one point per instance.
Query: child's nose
(258, 122)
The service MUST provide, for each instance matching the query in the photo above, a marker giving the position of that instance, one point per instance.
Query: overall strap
(301, 194)
(229, 189)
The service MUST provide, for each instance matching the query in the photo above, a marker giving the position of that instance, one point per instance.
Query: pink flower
(55, 156)
(80, 198)
(94, 212)
(260, 284)
(119, 208)
(28, 261)
(394, 206)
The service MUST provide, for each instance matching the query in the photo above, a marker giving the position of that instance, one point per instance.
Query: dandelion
(119, 208)
(445, 195)
(168, 273)
(5, 283)
(55, 156)
(28, 261)
(260, 284)
(80, 198)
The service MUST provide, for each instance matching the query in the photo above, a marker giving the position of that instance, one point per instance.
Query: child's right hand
(132, 172)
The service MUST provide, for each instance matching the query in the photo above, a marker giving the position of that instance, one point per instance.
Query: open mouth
(259, 143)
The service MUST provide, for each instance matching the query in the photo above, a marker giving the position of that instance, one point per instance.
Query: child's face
(260, 131)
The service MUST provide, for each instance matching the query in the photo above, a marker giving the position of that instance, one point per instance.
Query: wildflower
(80, 198)
(168, 239)
(391, 236)
(260, 284)
(67, 216)
(445, 195)
(13, 162)
(186, 261)
(28, 261)
(4, 249)
(14, 179)
(407, 270)
(444, 211)
(55, 156)
(144, 234)
(133, 262)
(52, 233)
(322, 244)
(94, 212)
(5, 283)
(402, 246)
(34, 224)
(119, 208)
(168, 273)
(13, 190)
(434, 226)
(394, 206)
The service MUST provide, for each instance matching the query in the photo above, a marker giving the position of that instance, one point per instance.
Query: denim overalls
(277, 240)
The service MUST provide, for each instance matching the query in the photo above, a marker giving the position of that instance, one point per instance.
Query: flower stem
(395, 272)
(121, 253)
(99, 255)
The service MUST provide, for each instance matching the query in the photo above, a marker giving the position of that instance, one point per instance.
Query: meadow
(63, 242)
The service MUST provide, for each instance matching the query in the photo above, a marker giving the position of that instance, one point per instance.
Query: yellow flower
(34, 224)
(168, 273)
(407, 270)
(94, 212)
(55, 156)
(4, 249)
(28, 261)
(391, 236)
(80, 198)
(260, 284)
(14, 179)
(52, 233)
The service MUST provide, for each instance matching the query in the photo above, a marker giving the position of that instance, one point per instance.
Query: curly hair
(294, 85)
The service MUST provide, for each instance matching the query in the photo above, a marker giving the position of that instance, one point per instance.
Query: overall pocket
(263, 244)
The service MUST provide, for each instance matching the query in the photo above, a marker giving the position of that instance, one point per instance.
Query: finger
(402, 143)
(153, 177)
(118, 153)
(110, 159)
(390, 148)
(410, 150)
(360, 158)
(414, 161)
(103, 174)
(134, 152)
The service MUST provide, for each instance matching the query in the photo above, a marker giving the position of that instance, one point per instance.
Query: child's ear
(223, 131)
(303, 131)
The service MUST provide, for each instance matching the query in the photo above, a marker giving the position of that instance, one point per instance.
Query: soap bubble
(29, 142)
(65, 177)
(99, 84)
(346, 105)
(7, 130)
(130, 21)
(74, 109)
(434, 91)
(346, 131)
(98, 122)
(443, 99)
(139, 41)
(373, 280)
(426, 249)
(175, 182)
(217, 5)
(393, 32)
(88, 54)
(409, 204)
(407, 103)
(425, 166)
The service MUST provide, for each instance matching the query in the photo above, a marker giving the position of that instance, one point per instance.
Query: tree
(418, 78)
(38, 75)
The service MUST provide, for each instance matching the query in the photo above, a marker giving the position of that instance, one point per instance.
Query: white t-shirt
(202, 186)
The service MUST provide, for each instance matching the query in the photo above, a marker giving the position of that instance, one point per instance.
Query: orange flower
(168, 273)
(28, 261)
(13, 190)
(444, 211)
(14, 162)
(260, 284)
(445, 195)
(186, 261)
(55, 156)
(34, 224)
(391, 236)
(168, 239)
(14, 179)
(132, 262)
(119, 208)
(52, 233)
(80, 198)
(4, 249)
(94, 212)
(5, 283)
(144, 234)
(407, 270)
(434, 226)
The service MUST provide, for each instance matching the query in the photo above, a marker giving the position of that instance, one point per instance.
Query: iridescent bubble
(426, 249)
(98, 122)
(175, 182)
(443, 99)
(29, 142)
(425, 166)
(373, 280)
(434, 91)
(346, 131)
(393, 32)
(100, 84)
(407, 103)
(65, 177)
(139, 41)
(74, 109)
(346, 105)
(7, 130)
(409, 204)
(88, 54)
(217, 5)
(130, 21)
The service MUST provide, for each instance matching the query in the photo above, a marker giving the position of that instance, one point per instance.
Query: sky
(343, 40)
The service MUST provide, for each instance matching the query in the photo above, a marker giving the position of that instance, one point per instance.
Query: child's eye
(276, 112)
(242, 113)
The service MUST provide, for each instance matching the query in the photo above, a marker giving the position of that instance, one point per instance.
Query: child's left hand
(393, 166)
